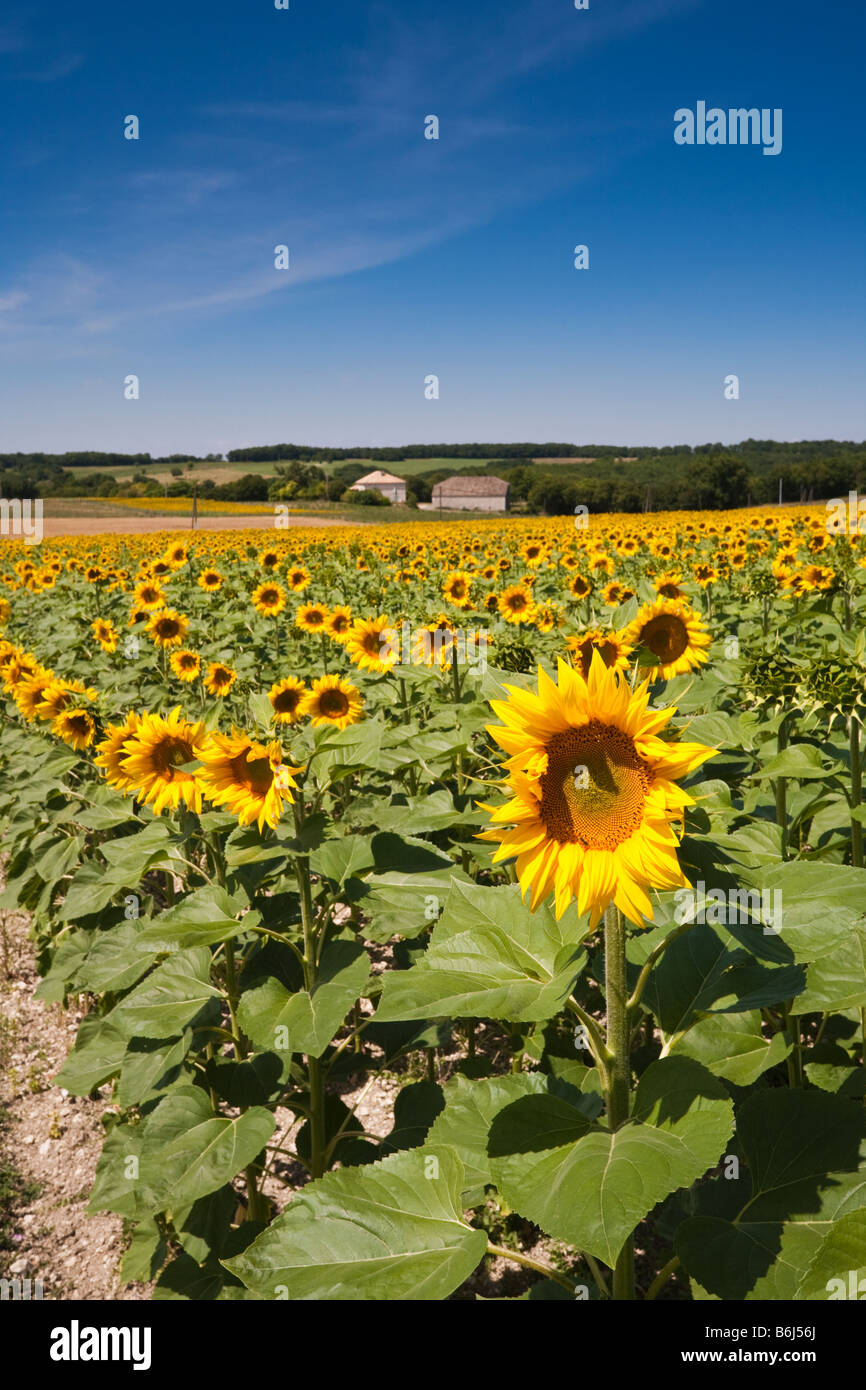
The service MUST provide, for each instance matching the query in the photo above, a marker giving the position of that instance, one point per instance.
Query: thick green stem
(856, 793)
(781, 790)
(662, 1277)
(455, 675)
(258, 1207)
(618, 1088)
(232, 993)
(314, 1066)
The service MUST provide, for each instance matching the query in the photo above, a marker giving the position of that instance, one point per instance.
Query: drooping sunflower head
(594, 803)
(675, 636)
(249, 779)
(548, 616)
(105, 634)
(59, 695)
(76, 726)
(156, 759)
(332, 700)
(269, 599)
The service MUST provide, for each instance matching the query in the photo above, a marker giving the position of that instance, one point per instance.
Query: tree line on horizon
(669, 479)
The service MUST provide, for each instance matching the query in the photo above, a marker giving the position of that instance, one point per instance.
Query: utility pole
(194, 507)
(780, 491)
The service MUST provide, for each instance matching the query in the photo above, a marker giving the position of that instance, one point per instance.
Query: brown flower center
(333, 704)
(666, 636)
(286, 701)
(255, 774)
(170, 754)
(595, 787)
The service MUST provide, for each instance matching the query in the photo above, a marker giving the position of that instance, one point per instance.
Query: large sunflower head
(269, 599)
(29, 693)
(149, 596)
(370, 644)
(458, 589)
(297, 577)
(156, 758)
(594, 803)
(312, 617)
(219, 679)
(285, 697)
(332, 700)
(167, 627)
(176, 556)
(516, 604)
(675, 635)
(249, 779)
(339, 623)
(76, 726)
(18, 668)
(185, 664)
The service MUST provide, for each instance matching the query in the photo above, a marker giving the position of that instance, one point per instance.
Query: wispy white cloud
(52, 72)
(187, 186)
(13, 300)
(365, 189)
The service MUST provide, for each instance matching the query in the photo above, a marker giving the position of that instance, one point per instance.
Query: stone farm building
(471, 494)
(386, 483)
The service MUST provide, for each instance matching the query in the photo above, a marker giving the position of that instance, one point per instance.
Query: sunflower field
(551, 835)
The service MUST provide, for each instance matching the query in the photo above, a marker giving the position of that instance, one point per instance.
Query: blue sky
(412, 257)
